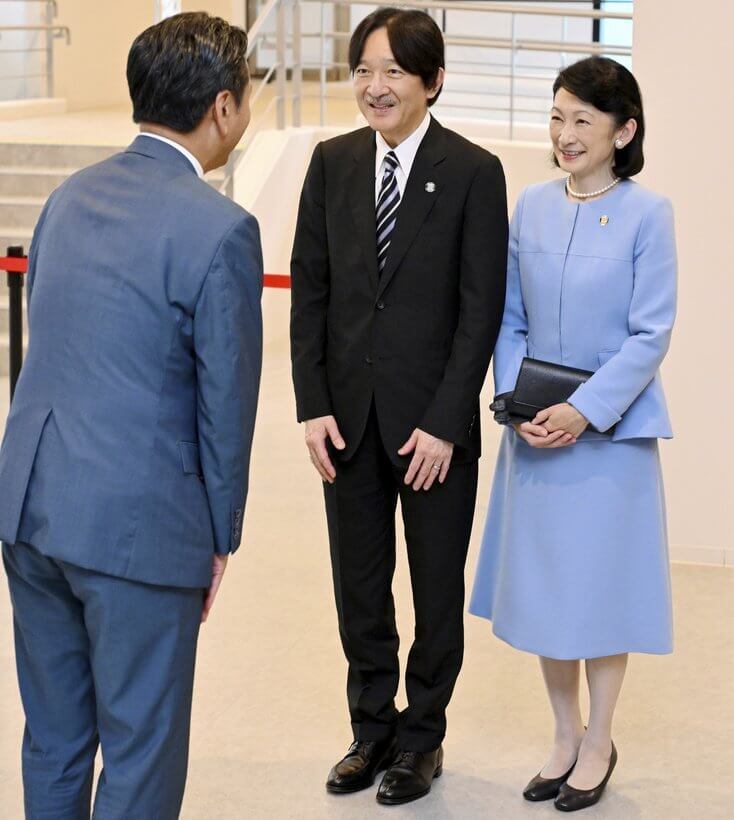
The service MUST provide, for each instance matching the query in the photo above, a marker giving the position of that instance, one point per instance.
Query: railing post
(15, 314)
(50, 14)
(297, 67)
(512, 78)
(322, 67)
(280, 74)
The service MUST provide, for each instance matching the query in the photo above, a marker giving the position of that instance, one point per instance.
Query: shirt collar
(189, 156)
(406, 151)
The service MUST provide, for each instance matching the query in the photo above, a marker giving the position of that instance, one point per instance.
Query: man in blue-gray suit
(124, 467)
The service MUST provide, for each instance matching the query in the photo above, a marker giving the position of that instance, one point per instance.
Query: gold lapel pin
(603, 220)
(430, 187)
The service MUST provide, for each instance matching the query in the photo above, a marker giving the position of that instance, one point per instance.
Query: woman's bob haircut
(612, 88)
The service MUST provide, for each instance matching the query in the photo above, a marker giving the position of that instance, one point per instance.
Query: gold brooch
(603, 220)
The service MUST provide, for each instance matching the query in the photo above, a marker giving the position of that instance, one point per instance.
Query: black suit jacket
(418, 338)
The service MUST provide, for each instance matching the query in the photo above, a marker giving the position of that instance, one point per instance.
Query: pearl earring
(619, 143)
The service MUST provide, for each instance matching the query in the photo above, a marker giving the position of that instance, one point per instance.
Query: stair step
(5, 354)
(20, 211)
(5, 320)
(31, 182)
(14, 236)
(37, 170)
(31, 155)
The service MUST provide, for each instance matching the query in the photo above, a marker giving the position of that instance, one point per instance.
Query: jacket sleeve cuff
(459, 435)
(599, 414)
(306, 412)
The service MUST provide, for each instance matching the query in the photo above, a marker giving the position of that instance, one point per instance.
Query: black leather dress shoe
(358, 768)
(410, 777)
(570, 799)
(545, 788)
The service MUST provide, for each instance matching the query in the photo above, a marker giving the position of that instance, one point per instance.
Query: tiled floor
(270, 716)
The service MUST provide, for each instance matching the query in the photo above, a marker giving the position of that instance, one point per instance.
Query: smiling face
(392, 101)
(584, 137)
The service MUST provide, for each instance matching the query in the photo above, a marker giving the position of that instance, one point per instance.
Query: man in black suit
(398, 284)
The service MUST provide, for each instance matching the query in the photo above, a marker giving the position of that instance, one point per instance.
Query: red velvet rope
(19, 264)
(14, 264)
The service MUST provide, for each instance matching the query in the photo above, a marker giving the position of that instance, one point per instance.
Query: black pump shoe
(570, 799)
(545, 788)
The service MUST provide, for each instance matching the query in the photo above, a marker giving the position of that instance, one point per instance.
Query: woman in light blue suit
(574, 560)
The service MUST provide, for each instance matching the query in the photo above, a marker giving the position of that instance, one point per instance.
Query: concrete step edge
(15, 199)
(36, 170)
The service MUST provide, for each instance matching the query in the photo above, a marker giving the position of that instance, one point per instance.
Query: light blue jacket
(593, 286)
(128, 442)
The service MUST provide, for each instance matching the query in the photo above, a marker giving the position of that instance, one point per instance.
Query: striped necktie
(387, 206)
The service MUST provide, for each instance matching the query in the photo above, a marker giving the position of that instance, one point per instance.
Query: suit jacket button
(368, 359)
(380, 306)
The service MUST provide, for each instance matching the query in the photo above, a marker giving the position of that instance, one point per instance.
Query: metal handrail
(538, 45)
(539, 11)
(505, 43)
(255, 37)
(51, 3)
(289, 37)
(256, 32)
(57, 30)
(513, 43)
(52, 31)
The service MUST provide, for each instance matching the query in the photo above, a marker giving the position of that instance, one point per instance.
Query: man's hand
(317, 431)
(218, 567)
(562, 417)
(431, 459)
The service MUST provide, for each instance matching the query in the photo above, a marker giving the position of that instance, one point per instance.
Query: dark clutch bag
(539, 385)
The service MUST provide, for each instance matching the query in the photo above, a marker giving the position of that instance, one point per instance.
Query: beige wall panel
(90, 72)
(682, 59)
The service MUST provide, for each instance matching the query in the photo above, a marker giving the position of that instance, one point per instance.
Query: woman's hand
(537, 436)
(562, 417)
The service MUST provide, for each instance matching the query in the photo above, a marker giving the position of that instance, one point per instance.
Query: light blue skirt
(574, 558)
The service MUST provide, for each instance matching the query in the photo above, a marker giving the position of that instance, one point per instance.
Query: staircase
(28, 174)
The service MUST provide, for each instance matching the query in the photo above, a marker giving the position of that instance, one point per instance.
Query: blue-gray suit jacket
(127, 446)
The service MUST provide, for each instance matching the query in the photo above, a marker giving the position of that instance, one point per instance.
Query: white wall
(682, 59)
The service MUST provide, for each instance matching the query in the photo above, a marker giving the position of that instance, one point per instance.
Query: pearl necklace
(609, 187)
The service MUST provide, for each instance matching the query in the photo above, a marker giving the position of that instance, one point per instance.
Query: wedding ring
(436, 467)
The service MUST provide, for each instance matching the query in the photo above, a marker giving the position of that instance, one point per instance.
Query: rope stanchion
(15, 307)
(15, 264)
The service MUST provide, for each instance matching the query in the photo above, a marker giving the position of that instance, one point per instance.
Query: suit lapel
(424, 186)
(362, 200)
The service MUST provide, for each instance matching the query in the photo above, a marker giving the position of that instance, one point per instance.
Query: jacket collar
(156, 149)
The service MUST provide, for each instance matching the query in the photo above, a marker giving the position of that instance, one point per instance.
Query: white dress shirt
(189, 156)
(405, 152)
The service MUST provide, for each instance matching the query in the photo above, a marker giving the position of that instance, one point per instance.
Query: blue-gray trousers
(108, 662)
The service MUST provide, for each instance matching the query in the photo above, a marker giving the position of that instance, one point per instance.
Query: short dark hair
(176, 68)
(611, 88)
(415, 41)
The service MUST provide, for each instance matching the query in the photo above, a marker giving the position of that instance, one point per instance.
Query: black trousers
(360, 509)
